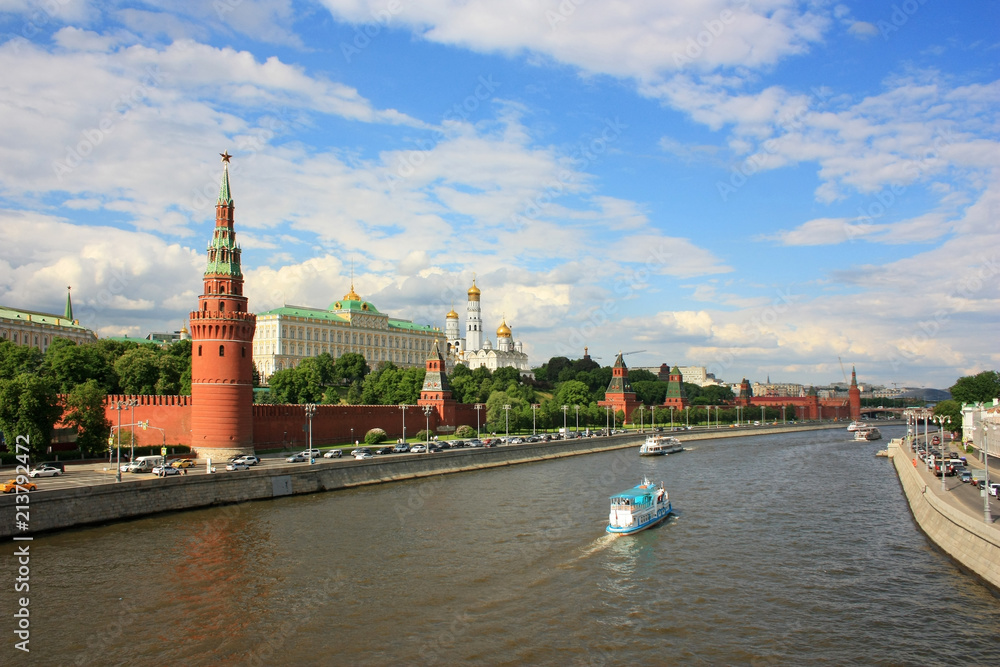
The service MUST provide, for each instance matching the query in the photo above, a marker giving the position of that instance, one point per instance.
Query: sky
(767, 188)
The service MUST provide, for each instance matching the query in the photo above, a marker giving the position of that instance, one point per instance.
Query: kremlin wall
(219, 419)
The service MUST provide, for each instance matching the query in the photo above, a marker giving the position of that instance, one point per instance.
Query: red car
(935, 440)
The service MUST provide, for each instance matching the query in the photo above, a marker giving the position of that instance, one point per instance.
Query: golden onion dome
(503, 331)
(452, 315)
(474, 291)
(352, 295)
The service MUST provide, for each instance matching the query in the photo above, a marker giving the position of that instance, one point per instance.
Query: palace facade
(28, 327)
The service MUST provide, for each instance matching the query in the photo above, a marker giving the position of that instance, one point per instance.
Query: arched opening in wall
(222, 306)
(222, 350)
(204, 306)
(243, 350)
(199, 350)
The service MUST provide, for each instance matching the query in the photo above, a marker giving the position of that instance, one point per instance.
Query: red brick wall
(171, 413)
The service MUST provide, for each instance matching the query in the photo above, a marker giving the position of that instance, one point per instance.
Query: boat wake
(595, 547)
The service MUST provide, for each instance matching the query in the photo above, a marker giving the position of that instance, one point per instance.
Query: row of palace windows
(377, 340)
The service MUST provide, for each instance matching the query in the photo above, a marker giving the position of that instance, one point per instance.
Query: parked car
(10, 486)
(333, 454)
(297, 458)
(182, 463)
(249, 459)
(474, 443)
(401, 448)
(311, 453)
(443, 445)
(417, 449)
(966, 476)
(363, 455)
(54, 464)
(381, 451)
(237, 465)
(45, 471)
(165, 471)
(935, 440)
(434, 448)
(457, 444)
(994, 489)
(360, 450)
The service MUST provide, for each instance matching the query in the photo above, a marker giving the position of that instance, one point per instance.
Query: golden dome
(352, 295)
(503, 331)
(474, 291)
(452, 315)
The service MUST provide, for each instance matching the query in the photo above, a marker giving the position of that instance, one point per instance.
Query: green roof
(224, 196)
(410, 326)
(355, 306)
(302, 311)
(39, 318)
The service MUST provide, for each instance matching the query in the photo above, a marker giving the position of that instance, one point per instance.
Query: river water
(784, 549)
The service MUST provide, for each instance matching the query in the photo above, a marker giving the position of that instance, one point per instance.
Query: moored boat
(868, 433)
(658, 445)
(857, 426)
(639, 508)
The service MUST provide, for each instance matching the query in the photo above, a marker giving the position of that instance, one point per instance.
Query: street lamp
(310, 409)
(762, 415)
(642, 408)
(671, 418)
(565, 409)
(428, 409)
(118, 465)
(716, 416)
(577, 418)
(478, 407)
(687, 416)
(131, 429)
(506, 416)
(941, 421)
(607, 419)
(782, 415)
(533, 406)
(403, 408)
(986, 462)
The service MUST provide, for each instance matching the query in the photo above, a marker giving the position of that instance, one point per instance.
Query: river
(784, 549)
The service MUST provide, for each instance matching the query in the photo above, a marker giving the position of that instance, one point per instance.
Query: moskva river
(785, 549)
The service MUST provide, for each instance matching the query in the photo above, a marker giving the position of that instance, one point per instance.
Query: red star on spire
(225, 156)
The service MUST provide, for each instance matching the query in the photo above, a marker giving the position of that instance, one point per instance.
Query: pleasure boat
(857, 426)
(639, 508)
(868, 433)
(658, 445)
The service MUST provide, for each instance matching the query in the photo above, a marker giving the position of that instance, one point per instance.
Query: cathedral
(475, 350)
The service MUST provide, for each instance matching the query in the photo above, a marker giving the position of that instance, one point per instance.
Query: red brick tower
(675, 391)
(436, 391)
(619, 394)
(854, 396)
(221, 337)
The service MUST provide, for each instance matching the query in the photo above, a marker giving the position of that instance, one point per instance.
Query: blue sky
(763, 188)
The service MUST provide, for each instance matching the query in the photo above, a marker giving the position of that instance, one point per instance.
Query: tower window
(222, 306)
(222, 350)
(199, 350)
(244, 352)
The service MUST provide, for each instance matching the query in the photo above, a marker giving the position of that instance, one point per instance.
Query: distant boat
(857, 426)
(868, 433)
(658, 445)
(639, 508)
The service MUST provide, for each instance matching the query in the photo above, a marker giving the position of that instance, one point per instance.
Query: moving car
(935, 440)
(248, 459)
(966, 476)
(383, 450)
(360, 450)
(401, 448)
(182, 463)
(10, 486)
(417, 449)
(333, 454)
(45, 471)
(296, 458)
(363, 455)
(237, 465)
(54, 464)
(312, 453)
(160, 471)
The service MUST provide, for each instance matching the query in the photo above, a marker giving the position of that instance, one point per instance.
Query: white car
(45, 471)
(237, 465)
(363, 455)
(161, 471)
(333, 454)
(417, 449)
(297, 458)
(311, 453)
(249, 459)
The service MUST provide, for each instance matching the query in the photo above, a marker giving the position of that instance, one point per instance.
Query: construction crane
(623, 353)
(843, 370)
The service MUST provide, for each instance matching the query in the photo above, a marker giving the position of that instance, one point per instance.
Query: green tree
(85, 411)
(641, 375)
(978, 388)
(17, 359)
(408, 387)
(572, 393)
(283, 386)
(951, 409)
(354, 393)
(351, 367)
(29, 407)
(139, 370)
(70, 364)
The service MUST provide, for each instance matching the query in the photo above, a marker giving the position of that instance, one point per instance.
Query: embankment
(969, 541)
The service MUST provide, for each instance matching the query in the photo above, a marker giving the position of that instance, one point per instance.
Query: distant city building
(168, 338)
(778, 389)
(700, 376)
(474, 350)
(287, 335)
(35, 329)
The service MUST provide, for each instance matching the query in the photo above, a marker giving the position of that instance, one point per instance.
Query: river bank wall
(59, 509)
(972, 543)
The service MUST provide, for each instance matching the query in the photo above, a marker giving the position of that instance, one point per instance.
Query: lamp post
(428, 409)
(118, 465)
(716, 416)
(687, 416)
(986, 463)
(762, 415)
(607, 419)
(577, 418)
(506, 416)
(533, 406)
(478, 407)
(565, 409)
(310, 409)
(403, 408)
(941, 421)
(782, 415)
(652, 417)
(671, 418)
(131, 429)
(642, 408)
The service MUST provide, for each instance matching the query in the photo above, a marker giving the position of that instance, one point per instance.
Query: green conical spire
(69, 306)
(224, 196)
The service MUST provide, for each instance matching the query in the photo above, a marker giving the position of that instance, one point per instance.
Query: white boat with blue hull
(639, 508)
(658, 445)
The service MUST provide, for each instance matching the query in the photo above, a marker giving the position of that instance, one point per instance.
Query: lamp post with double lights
(782, 415)
(131, 429)
(577, 418)
(762, 415)
(533, 407)
(119, 406)
(607, 419)
(941, 421)
(506, 417)
(428, 409)
(642, 409)
(716, 416)
(478, 407)
(687, 416)
(310, 409)
(403, 408)
(671, 418)
(565, 409)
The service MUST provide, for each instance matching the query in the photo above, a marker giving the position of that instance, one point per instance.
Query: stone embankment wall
(64, 508)
(971, 542)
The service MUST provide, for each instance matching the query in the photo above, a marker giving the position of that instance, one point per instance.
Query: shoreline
(62, 509)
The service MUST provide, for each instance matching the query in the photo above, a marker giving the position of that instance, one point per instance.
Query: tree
(978, 388)
(17, 359)
(139, 370)
(70, 364)
(85, 411)
(572, 393)
(953, 410)
(641, 375)
(29, 407)
(351, 367)
(354, 393)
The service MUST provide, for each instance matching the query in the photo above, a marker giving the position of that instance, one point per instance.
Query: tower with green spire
(69, 305)
(222, 344)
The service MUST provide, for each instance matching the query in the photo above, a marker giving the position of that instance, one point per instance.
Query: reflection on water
(783, 549)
